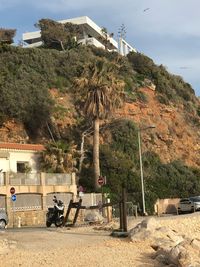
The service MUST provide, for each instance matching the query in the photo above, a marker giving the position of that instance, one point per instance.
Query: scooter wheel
(59, 223)
(48, 224)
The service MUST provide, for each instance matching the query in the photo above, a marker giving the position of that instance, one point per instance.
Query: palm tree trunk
(96, 152)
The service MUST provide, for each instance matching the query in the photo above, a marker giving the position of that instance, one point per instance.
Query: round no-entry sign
(101, 180)
(12, 190)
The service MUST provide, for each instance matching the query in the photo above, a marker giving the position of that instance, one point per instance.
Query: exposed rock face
(13, 132)
(175, 136)
(171, 248)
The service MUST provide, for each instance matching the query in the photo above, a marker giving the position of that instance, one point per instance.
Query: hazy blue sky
(168, 32)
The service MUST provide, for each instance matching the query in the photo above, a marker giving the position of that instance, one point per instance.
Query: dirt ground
(85, 246)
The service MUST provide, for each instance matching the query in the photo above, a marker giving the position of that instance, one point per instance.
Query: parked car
(185, 205)
(196, 202)
(3, 219)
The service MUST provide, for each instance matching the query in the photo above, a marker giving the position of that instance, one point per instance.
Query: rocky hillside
(39, 103)
(176, 136)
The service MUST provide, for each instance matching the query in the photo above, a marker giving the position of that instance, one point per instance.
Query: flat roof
(84, 20)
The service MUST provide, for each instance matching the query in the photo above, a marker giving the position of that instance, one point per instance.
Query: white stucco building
(16, 157)
(90, 36)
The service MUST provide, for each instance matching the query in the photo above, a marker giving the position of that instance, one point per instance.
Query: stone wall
(27, 218)
(166, 206)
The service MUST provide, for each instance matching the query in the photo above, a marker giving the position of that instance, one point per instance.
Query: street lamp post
(141, 165)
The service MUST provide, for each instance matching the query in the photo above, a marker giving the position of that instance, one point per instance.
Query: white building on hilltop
(91, 34)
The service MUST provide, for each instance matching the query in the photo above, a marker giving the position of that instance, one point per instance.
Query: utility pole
(141, 165)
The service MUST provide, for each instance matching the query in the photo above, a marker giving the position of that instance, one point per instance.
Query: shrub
(170, 86)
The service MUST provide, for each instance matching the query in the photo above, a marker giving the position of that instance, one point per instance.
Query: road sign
(12, 190)
(101, 180)
(14, 198)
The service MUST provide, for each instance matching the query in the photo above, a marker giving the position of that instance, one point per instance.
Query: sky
(168, 31)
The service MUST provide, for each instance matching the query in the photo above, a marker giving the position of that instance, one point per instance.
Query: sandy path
(77, 247)
(85, 246)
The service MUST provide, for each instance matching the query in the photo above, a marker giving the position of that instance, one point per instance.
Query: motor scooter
(55, 214)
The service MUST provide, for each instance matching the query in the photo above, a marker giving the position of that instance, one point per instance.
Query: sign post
(101, 182)
(13, 198)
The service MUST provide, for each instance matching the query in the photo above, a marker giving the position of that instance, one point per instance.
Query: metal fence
(64, 197)
(27, 202)
(91, 199)
(131, 210)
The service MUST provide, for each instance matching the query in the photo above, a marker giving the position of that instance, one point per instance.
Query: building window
(23, 167)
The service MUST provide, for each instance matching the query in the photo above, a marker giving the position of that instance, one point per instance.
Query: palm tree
(101, 92)
(58, 157)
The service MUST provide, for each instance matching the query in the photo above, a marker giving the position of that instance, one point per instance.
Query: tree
(59, 157)
(57, 35)
(101, 92)
(7, 35)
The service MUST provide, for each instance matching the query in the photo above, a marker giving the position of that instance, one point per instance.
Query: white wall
(10, 163)
(4, 164)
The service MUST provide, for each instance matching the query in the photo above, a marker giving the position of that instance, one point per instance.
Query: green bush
(120, 164)
(170, 86)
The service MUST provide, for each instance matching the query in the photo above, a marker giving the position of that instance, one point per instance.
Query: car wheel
(2, 224)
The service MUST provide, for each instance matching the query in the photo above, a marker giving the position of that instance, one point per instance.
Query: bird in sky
(146, 9)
